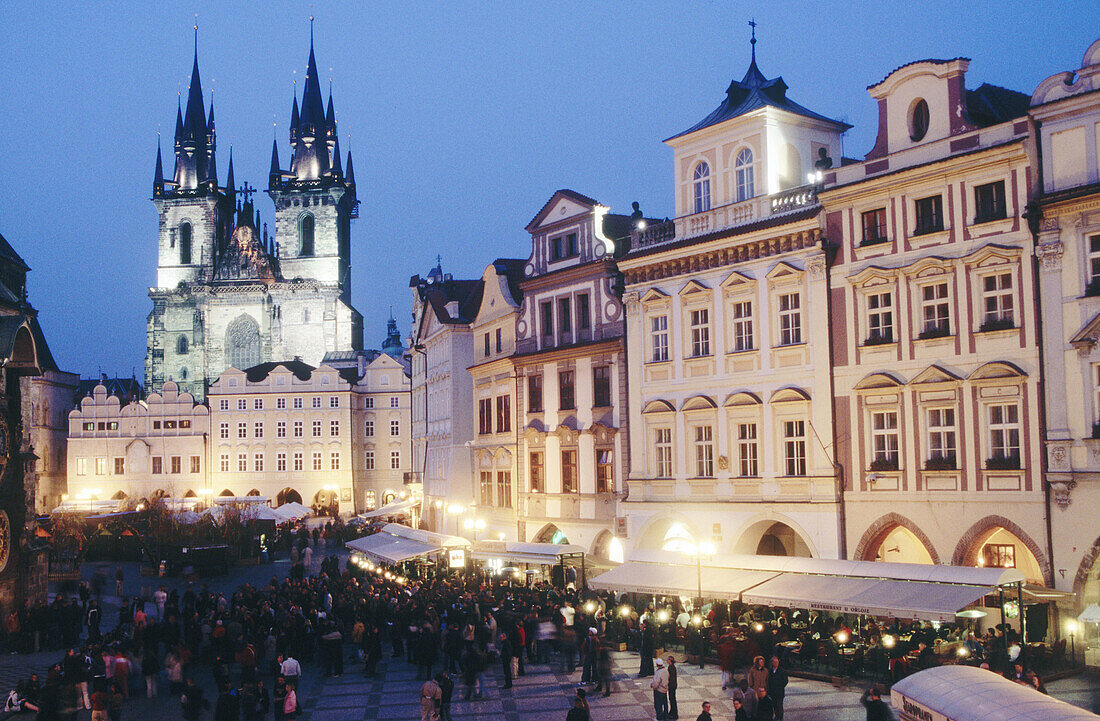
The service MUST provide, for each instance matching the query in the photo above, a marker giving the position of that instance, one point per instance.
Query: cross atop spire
(752, 41)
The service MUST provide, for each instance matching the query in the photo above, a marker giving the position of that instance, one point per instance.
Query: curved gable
(742, 398)
(998, 369)
(789, 395)
(659, 406)
(698, 403)
(878, 380)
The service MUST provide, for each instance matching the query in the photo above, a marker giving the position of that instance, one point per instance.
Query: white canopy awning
(867, 596)
(1090, 615)
(546, 554)
(396, 508)
(293, 511)
(678, 580)
(241, 499)
(396, 543)
(966, 693)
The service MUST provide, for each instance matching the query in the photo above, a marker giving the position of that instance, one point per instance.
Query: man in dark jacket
(506, 659)
(877, 710)
(673, 710)
(777, 687)
(705, 715)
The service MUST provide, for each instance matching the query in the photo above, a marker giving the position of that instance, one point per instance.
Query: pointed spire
(294, 119)
(350, 175)
(753, 76)
(336, 169)
(230, 187)
(158, 173)
(276, 173)
(330, 116)
(210, 120)
(313, 114)
(193, 120)
(179, 121)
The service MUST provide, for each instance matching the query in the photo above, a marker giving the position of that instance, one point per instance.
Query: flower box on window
(1003, 463)
(995, 324)
(884, 464)
(934, 331)
(879, 339)
(940, 463)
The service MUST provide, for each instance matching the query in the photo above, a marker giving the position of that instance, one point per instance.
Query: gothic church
(228, 294)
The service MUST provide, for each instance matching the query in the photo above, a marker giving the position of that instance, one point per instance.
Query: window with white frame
(368, 428)
(242, 404)
(297, 404)
(742, 325)
(298, 429)
(242, 462)
(316, 460)
(317, 429)
(746, 185)
(223, 430)
(395, 428)
(334, 428)
(299, 460)
(658, 338)
(704, 452)
(747, 450)
(280, 429)
(935, 311)
(280, 461)
(997, 302)
(662, 452)
(790, 319)
(368, 460)
(941, 439)
(258, 429)
(700, 332)
(1004, 436)
(223, 404)
(701, 187)
(395, 401)
(884, 441)
(258, 462)
(334, 460)
(1093, 287)
(223, 462)
(242, 430)
(880, 318)
(368, 402)
(280, 404)
(316, 402)
(395, 460)
(794, 447)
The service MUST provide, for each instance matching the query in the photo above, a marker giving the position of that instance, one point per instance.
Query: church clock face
(5, 540)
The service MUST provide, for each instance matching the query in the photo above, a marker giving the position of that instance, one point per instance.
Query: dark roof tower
(275, 175)
(195, 142)
(158, 174)
(230, 181)
(311, 137)
(392, 345)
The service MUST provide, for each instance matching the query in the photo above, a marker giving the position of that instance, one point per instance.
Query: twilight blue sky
(463, 118)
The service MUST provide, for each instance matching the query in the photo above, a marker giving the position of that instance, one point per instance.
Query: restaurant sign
(456, 557)
(910, 710)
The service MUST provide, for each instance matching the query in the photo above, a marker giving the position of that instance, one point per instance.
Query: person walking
(119, 577)
(877, 710)
(506, 659)
(290, 703)
(590, 653)
(431, 698)
(673, 709)
(447, 689)
(578, 712)
(603, 667)
(646, 667)
(659, 684)
(705, 715)
(758, 675)
(777, 687)
(765, 707)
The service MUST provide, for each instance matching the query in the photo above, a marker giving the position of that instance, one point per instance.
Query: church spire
(158, 174)
(311, 158)
(195, 143)
(350, 176)
(230, 187)
(275, 175)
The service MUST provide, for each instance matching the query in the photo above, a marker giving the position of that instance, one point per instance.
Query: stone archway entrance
(894, 538)
(288, 495)
(773, 538)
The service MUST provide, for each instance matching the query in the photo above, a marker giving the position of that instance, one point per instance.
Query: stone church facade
(228, 294)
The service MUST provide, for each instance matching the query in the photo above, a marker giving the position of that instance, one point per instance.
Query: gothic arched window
(185, 244)
(305, 235)
(242, 343)
(701, 184)
(181, 345)
(746, 186)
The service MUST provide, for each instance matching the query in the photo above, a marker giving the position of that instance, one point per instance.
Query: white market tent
(188, 517)
(545, 554)
(902, 590)
(1091, 614)
(395, 508)
(966, 693)
(241, 500)
(396, 543)
(293, 511)
(261, 512)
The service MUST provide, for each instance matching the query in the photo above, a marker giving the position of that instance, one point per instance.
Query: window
(196, 464)
(929, 215)
(538, 477)
(880, 318)
(223, 430)
(316, 401)
(504, 414)
(185, 423)
(704, 452)
(371, 501)
(334, 428)
(223, 404)
(504, 489)
(700, 332)
(81, 466)
(569, 471)
(790, 319)
(918, 120)
(534, 394)
(242, 462)
(185, 244)
(258, 462)
(223, 463)
(941, 439)
(368, 428)
(298, 429)
(181, 345)
(334, 460)
(601, 386)
(258, 404)
(90, 426)
(156, 426)
(368, 460)
(701, 187)
(605, 470)
(395, 401)
(242, 430)
(485, 339)
(485, 416)
(242, 404)
(120, 466)
(175, 464)
(334, 401)
(564, 246)
(566, 398)
(1093, 287)
(935, 311)
(584, 313)
(989, 202)
(280, 404)
(999, 555)
(316, 429)
(1004, 436)
(658, 335)
(316, 460)
(662, 447)
(747, 450)
(280, 461)
(997, 302)
(746, 187)
(305, 315)
(794, 447)
(546, 311)
(258, 429)
(305, 235)
(565, 318)
(395, 428)
(299, 460)
(368, 403)
(499, 340)
(297, 404)
(884, 441)
(395, 460)
(874, 226)
(486, 488)
(280, 429)
(1096, 400)
(742, 325)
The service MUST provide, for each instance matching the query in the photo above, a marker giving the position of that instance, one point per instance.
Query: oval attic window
(918, 120)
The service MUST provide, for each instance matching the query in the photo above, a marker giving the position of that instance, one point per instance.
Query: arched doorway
(609, 547)
(226, 493)
(773, 538)
(667, 534)
(254, 492)
(896, 539)
(288, 495)
(991, 544)
(551, 534)
(325, 499)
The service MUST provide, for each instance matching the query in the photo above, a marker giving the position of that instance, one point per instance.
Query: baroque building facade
(228, 293)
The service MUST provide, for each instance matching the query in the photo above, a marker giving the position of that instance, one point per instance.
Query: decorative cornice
(1050, 255)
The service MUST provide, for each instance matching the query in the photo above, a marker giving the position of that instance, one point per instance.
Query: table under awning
(664, 579)
(545, 554)
(866, 596)
(396, 543)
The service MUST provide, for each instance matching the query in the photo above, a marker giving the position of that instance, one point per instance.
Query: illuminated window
(569, 471)
(485, 488)
(504, 489)
(605, 470)
(747, 450)
(662, 447)
(537, 471)
(704, 452)
(316, 460)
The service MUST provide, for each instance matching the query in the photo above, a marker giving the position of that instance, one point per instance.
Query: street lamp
(1071, 629)
(705, 548)
(475, 525)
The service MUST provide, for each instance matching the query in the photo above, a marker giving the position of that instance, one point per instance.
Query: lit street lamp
(1071, 629)
(699, 550)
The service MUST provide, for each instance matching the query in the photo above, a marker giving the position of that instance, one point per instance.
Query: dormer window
(746, 185)
(564, 246)
(918, 120)
(701, 185)
(305, 235)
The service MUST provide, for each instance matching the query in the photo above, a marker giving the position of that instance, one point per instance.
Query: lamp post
(699, 550)
(474, 525)
(1071, 628)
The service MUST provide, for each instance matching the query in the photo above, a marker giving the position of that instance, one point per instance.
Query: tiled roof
(992, 105)
(466, 292)
(768, 222)
(571, 194)
(513, 271)
(934, 61)
(301, 370)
